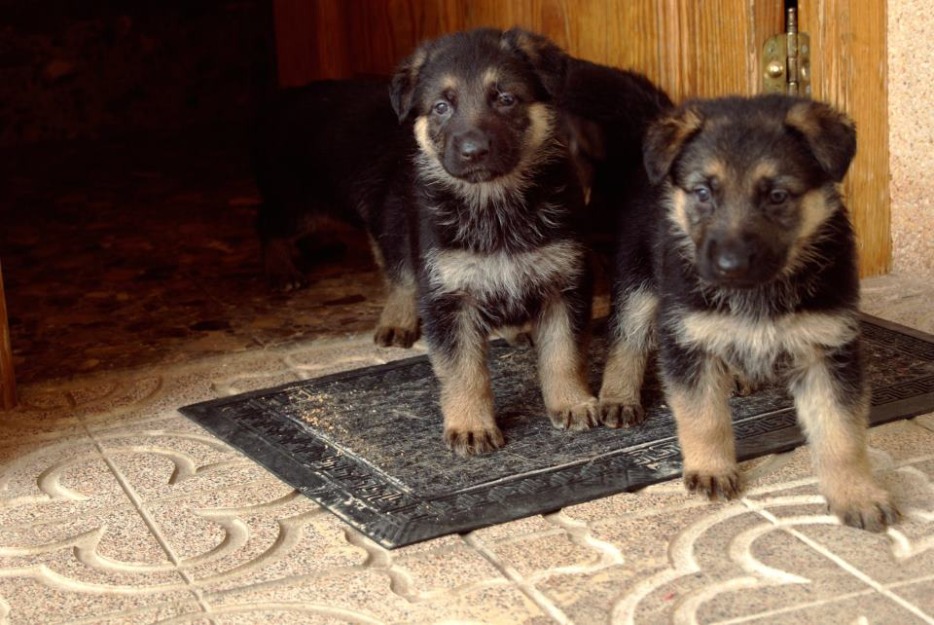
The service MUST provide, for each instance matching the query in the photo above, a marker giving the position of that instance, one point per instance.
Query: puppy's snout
(730, 257)
(472, 146)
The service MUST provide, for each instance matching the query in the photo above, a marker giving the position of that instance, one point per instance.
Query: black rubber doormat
(367, 444)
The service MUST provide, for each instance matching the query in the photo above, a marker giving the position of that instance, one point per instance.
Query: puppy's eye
(778, 196)
(441, 107)
(505, 100)
(702, 194)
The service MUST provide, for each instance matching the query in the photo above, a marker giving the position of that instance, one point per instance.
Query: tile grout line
(527, 588)
(150, 523)
(849, 568)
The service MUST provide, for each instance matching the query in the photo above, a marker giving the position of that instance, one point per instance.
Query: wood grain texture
(701, 48)
(7, 377)
(849, 70)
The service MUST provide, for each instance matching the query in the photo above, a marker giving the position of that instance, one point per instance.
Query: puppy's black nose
(731, 259)
(730, 262)
(472, 146)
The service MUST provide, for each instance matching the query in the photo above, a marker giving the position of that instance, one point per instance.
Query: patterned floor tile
(241, 537)
(368, 596)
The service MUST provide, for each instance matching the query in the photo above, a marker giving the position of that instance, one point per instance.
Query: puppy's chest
(505, 275)
(763, 347)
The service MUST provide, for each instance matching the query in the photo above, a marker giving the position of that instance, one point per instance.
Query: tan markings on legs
(466, 396)
(705, 432)
(562, 369)
(620, 393)
(517, 336)
(620, 402)
(837, 437)
(398, 323)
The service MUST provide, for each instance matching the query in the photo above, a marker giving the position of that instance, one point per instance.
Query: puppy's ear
(830, 134)
(665, 139)
(548, 60)
(404, 81)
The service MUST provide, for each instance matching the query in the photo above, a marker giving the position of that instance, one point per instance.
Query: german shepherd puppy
(742, 261)
(498, 217)
(334, 151)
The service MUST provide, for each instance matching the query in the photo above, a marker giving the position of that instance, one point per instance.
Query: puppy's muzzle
(734, 260)
(472, 147)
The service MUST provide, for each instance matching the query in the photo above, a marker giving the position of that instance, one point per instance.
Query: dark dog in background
(607, 112)
(742, 261)
(335, 151)
(499, 224)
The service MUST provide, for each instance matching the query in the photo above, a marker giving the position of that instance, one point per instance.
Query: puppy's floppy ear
(830, 134)
(404, 81)
(665, 139)
(548, 60)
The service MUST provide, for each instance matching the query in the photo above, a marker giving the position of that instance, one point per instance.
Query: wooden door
(692, 48)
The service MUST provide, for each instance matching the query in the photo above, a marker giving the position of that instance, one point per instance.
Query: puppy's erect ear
(404, 81)
(830, 134)
(665, 139)
(548, 60)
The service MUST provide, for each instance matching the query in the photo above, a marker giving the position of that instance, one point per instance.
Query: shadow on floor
(141, 251)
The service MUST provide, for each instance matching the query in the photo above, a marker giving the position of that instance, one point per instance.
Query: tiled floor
(115, 509)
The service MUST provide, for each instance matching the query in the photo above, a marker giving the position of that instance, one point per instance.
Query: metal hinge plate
(786, 61)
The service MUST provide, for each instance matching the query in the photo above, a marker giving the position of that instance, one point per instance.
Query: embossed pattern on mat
(367, 445)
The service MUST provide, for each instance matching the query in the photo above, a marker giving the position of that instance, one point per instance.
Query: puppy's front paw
(614, 414)
(393, 336)
(715, 486)
(868, 507)
(285, 279)
(467, 442)
(581, 416)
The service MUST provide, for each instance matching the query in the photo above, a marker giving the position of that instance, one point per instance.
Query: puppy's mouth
(475, 174)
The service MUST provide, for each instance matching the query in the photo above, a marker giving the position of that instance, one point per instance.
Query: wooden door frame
(7, 375)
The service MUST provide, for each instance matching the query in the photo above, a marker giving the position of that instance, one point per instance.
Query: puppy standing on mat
(744, 262)
(498, 243)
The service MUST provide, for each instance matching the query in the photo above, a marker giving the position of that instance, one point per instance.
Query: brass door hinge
(786, 60)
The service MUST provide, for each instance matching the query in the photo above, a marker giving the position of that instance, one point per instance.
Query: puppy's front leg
(697, 387)
(833, 405)
(459, 357)
(631, 328)
(560, 340)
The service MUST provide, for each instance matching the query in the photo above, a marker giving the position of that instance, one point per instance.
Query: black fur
(740, 259)
(334, 150)
(498, 212)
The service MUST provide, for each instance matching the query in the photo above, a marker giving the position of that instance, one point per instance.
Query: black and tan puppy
(499, 242)
(335, 151)
(744, 262)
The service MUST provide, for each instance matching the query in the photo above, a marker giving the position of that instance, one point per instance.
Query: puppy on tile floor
(499, 210)
(742, 261)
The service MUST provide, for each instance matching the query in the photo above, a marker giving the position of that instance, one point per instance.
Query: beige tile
(94, 564)
(50, 482)
(367, 596)
(240, 537)
(917, 593)
(174, 456)
(869, 607)
(55, 607)
(904, 553)
(447, 570)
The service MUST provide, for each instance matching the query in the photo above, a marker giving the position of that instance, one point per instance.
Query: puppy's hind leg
(833, 404)
(561, 343)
